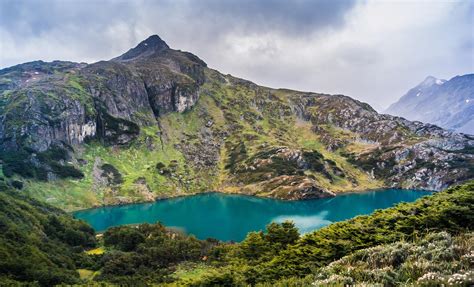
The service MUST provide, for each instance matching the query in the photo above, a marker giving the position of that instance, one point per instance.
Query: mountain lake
(230, 217)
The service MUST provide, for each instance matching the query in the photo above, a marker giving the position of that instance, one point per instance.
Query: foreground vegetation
(427, 242)
(39, 243)
(258, 259)
(436, 259)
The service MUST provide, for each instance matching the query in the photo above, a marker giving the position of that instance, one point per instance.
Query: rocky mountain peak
(430, 81)
(153, 44)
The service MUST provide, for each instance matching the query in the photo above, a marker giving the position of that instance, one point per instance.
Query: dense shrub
(147, 252)
(223, 277)
(112, 174)
(123, 238)
(17, 162)
(39, 243)
(64, 171)
(17, 184)
(21, 162)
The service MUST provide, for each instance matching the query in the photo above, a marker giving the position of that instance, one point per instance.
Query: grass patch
(189, 271)
(96, 251)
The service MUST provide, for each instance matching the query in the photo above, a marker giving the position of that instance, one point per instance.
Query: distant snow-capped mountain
(448, 104)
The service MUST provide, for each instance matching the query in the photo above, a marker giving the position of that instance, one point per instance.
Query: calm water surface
(231, 217)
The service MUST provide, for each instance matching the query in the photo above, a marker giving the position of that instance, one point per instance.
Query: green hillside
(157, 122)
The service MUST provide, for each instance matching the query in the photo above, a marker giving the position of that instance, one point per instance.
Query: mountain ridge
(448, 104)
(157, 122)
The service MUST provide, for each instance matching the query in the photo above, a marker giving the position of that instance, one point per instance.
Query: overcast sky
(373, 51)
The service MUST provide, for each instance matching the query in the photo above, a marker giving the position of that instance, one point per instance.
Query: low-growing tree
(124, 238)
(282, 233)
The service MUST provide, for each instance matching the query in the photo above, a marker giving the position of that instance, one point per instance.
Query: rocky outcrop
(293, 188)
(36, 121)
(145, 49)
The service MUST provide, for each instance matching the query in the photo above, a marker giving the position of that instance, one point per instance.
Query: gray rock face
(448, 104)
(37, 121)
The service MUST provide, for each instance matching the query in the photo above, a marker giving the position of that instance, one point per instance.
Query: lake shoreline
(163, 198)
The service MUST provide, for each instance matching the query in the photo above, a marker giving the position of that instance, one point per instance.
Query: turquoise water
(231, 217)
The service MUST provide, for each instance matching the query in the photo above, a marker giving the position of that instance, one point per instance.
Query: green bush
(21, 162)
(123, 238)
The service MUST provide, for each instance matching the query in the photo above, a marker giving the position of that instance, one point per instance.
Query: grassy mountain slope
(213, 146)
(157, 122)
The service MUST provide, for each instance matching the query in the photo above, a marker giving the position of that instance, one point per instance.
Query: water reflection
(306, 223)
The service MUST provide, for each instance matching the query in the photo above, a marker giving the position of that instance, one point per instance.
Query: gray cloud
(291, 17)
(370, 50)
(95, 29)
